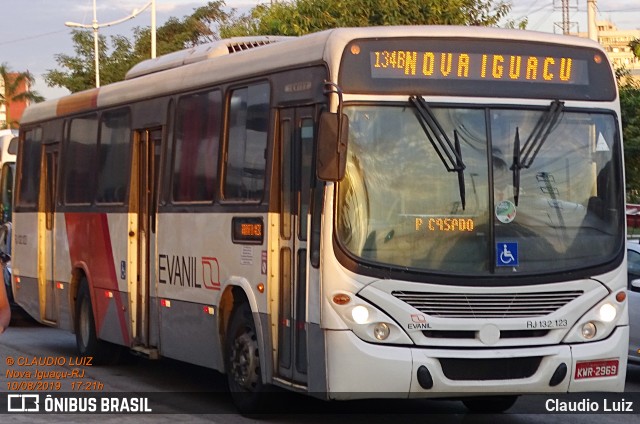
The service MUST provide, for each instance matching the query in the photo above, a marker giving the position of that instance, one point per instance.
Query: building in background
(616, 44)
(12, 108)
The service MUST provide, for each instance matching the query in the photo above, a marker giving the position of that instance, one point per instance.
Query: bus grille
(498, 305)
(489, 369)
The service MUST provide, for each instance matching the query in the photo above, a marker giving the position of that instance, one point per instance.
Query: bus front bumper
(359, 370)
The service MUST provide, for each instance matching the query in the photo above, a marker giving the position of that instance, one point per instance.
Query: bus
(8, 149)
(393, 212)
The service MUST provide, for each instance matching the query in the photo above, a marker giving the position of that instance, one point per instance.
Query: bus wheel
(489, 404)
(242, 355)
(87, 341)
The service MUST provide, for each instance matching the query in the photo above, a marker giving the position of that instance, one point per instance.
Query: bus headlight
(589, 330)
(381, 331)
(367, 321)
(360, 314)
(600, 321)
(607, 312)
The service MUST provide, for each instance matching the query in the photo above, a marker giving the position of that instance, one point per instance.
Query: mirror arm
(333, 88)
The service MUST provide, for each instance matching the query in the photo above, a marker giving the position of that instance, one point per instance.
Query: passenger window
(80, 159)
(197, 140)
(247, 143)
(29, 174)
(114, 150)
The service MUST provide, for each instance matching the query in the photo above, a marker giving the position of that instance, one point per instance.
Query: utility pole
(565, 17)
(591, 18)
(566, 23)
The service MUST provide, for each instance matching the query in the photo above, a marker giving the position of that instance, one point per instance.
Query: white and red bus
(358, 213)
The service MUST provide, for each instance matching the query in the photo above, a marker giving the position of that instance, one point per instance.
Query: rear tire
(87, 342)
(242, 363)
(490, 404)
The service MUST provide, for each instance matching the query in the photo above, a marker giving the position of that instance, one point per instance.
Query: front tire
(242, 362)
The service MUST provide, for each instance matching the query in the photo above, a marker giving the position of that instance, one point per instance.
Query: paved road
(193, 389)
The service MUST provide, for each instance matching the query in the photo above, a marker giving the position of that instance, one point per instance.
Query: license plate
(596, 369)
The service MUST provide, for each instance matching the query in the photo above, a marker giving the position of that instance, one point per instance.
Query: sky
(33, 31)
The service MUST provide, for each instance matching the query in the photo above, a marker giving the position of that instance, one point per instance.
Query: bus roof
(322, 47)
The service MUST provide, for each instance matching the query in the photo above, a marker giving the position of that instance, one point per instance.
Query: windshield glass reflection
(398, 205)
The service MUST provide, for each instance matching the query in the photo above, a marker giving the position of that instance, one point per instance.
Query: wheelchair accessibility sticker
(507, 254)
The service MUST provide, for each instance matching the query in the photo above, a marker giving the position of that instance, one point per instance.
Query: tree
(81, 67)
(16, 89)
(117, 58)
(198, 28)
(635, 47)
(210, 22)
(300, 17)
(630, 114)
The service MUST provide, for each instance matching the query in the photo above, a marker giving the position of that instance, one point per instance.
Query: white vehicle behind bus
(8, 149)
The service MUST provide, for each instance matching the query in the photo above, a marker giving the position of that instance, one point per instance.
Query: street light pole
(153, 29)
(96, 52)
(95, 26)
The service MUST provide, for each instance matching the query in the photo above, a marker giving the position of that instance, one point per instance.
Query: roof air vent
(200, 53)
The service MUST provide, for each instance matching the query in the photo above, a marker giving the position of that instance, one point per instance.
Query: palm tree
(14, 91)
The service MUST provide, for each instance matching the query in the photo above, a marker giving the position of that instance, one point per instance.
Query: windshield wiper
(523, 158)
(449, 153)
(516, 167)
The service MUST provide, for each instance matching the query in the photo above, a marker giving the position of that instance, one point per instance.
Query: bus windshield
(530, 201)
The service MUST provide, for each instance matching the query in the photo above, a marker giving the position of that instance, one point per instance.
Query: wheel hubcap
(245, 360)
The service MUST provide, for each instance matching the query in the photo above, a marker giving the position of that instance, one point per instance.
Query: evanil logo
(418, 322)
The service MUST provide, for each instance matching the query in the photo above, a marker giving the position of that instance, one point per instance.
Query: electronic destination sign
(479, 67)
(476, 67)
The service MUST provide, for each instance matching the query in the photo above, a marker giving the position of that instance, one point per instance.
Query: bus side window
(247, 143)
(28, 182)
(81, 153)
(114, 150)
(197, 136)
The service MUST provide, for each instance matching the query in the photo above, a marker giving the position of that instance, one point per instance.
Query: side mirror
(333, 137)
(635, 285)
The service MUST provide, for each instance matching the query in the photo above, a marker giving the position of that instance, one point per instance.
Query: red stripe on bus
(90, 243)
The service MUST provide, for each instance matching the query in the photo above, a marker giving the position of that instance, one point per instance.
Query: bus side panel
(62, 275)
(189, 333)
(195, 263)
(91, 247)
(25, 267)
(185, 257)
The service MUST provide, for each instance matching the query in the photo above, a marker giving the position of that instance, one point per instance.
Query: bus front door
(296, 153)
